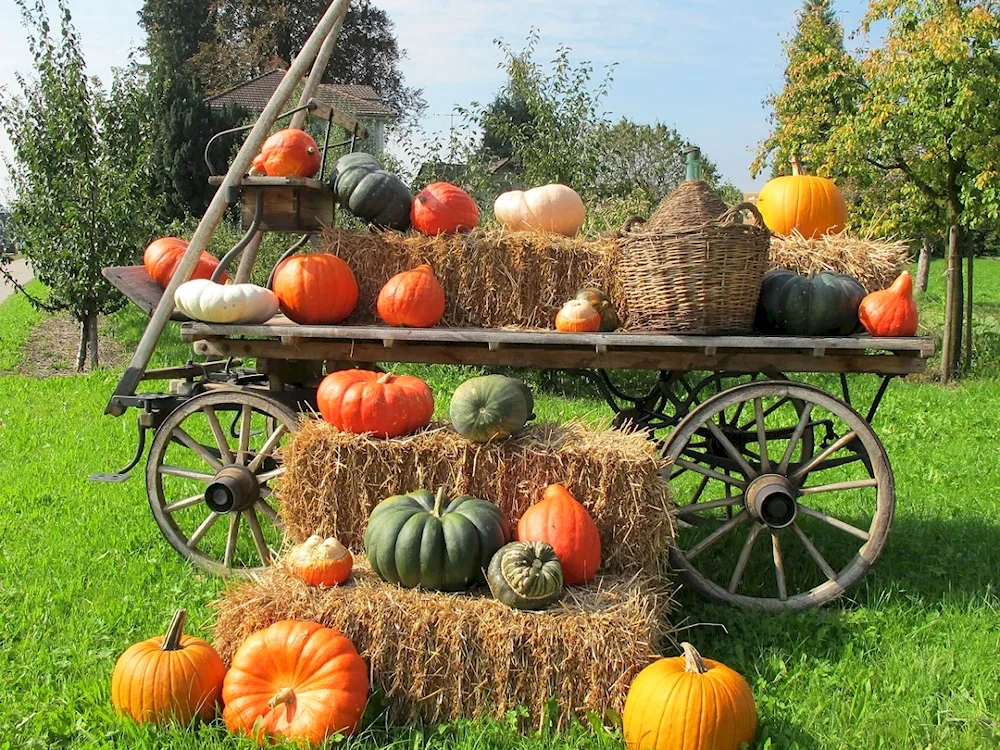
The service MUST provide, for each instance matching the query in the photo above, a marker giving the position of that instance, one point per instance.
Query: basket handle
(629, 223)
(730, 216)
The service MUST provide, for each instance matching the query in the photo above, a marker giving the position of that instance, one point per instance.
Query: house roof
(361, 101)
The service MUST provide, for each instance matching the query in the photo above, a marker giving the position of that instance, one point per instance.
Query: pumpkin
(820, 304)
(491, 407)
(163, 255)
(443, 208)
(316, 289)
(422, 539)
(812, 205)
(550, 208)
(602, 303)
(412, 298)
(321, 562)
(561, 521)
(578, 316)
(371, 193)
(526, 575)
(295, 680)
(289, 153)
(383, 404)
(689, 703)
(205, 300)
(892, 311)
(171, 678)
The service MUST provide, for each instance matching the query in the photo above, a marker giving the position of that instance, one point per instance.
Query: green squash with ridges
(820, 304)
(370, 192)
(526, 575)
(491, 407)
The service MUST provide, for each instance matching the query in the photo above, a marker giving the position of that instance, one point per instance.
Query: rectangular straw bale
(875, 263)
(334, 479)
(439, 657)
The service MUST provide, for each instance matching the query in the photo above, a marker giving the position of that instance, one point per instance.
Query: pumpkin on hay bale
(439, 657)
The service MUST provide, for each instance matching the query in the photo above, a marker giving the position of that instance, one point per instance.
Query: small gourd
(526, 575)
(892, 311)
(578, 316)
(321, 562)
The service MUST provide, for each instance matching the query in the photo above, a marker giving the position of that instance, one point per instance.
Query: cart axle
(234, 490)
(770, 499)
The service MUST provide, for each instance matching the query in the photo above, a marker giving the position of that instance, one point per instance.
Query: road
(20, 270)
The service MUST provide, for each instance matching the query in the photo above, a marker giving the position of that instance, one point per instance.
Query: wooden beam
(348, 123)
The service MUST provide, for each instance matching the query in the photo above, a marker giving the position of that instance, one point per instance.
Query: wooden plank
(185, 371)
(136, 284)
(275, 182)
(290, 209)
(562, 358)
(344, 120)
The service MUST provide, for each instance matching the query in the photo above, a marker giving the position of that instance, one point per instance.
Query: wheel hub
(770, 499)
(234, 489)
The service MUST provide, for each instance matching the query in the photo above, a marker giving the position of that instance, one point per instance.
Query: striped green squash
(526, 575)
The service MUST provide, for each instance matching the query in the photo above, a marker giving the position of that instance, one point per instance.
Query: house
(362, 102)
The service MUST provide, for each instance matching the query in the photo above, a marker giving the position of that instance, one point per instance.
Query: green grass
(910, 661)
(19, 317)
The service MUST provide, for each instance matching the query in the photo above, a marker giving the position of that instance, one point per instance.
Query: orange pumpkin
(321, 562)
(171, 678)
(383, 404)
(689, 703)
(316, 289)
(562, 521)
(163, 255)
(578, 316)
(892, 311)
(812, 205)
(412, 298)
(443, 208)
(289, 153)
(295, 680)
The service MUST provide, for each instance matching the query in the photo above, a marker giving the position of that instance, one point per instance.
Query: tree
(80, 171)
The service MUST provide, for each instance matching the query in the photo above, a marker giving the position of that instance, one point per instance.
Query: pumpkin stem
(282, 697)
(692, 660)
(172, 640)
(384, 378)
(796, 166)
(439, 502)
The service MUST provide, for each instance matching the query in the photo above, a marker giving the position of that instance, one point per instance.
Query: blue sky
(702, 66)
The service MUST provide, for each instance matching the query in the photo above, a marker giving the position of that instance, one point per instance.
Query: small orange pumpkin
(171, 678)
(289, 153)
(892, 311)
(295, 680)
(316, 289)
(443, 208)
(321, 562)
(412, 298)
(561, 521)
(578, 316)
(163, 255)
(383, 404)
(812, 205)
(689, 703)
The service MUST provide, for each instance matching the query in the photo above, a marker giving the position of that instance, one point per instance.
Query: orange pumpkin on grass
(321, 562)
(578, 316)
(163, 256)
(561, 521)
(443, 208)
(892, 311)
(289, 153)
(412, 298)
(316, 289)
(383, 404)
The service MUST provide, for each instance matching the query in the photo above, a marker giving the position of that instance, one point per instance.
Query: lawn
(911, 661)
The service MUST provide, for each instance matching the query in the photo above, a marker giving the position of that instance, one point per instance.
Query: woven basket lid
(692, 204)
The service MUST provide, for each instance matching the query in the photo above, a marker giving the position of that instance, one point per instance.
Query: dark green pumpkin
(602, 303)
(491, 407)
(424, 540)
(820, 304)
(371, 193)
(526, 575)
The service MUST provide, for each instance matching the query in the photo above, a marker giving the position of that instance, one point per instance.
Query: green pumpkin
(526, 575)
(820, 304)
(602, 303)
(423, 540)
(370, 193)
(492, 407)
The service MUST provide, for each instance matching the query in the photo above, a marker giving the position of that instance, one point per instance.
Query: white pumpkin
(204, 300)
(550, 208)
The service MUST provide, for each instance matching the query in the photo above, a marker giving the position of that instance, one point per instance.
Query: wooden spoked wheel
(765, 520)
(210, 488)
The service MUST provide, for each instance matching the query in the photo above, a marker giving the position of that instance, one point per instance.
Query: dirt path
(21, 271)
(51, 349)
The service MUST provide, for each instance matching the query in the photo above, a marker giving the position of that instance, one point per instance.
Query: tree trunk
(92, 342)
(81, 352)
(924, 265)
(952, 287)
(970, 253)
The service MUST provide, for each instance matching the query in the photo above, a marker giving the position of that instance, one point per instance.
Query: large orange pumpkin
(295, 680)
(163, 255)
(316, 289)
(170, 678)
(689, 703)
(383, 404)
(412, 298)
(812, 205)
(289, 153)
(562, 521)
(443, 208)
(321, 562)
(892, 311)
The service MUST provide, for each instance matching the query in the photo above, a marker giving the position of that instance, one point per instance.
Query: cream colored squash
(209, 302)
(550, 208)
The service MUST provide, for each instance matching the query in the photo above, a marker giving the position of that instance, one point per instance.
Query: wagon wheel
(197, 473)
(812, 507)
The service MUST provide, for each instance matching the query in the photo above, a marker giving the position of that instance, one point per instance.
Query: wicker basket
(702, 279)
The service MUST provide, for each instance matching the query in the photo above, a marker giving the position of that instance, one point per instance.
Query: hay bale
(439, 657)
(334, 479)
(875, 263)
